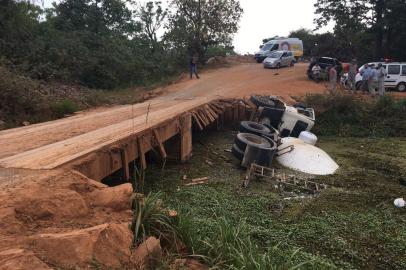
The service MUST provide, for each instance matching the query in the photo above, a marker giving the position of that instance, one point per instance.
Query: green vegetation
(343, 115)
(63, 108)
(351, 225)
(111, 43)
(151, 219)
(368, 30)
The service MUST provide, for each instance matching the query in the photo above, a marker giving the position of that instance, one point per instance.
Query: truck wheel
(262, 101)
(253, 128)
(242, 139)
(237, 152)
(401, 87)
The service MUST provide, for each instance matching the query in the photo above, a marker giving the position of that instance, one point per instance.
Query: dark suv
(325, 63)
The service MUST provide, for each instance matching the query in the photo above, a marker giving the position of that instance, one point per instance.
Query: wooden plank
(228, 114)
(215, 109)
(235, 119)
(241, 112)
(209, 114)
(202, 120)
(160, 144)
(212, 112)
(250, 103)
(197, 121)
(125, 161)
(221, 108)
(141, 153)
(204, 117)
(185, 137)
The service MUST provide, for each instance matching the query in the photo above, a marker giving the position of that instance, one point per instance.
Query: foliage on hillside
(111, 43)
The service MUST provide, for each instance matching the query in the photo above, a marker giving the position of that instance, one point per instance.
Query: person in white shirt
(316, 72)
(352, 73)
(381, 74)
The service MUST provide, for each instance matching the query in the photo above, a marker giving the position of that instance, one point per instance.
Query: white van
(294, 45)
(396, 77)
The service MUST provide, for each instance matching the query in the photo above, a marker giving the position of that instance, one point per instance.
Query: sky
(266, 18)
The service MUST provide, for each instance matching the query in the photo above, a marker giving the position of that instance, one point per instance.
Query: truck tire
(257, 154)
(401, 87)
(253, 128)
(262, 101)
(237, 152)
(242, 139)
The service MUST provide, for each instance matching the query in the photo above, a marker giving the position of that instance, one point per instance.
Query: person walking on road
(381, 74)
(352, 73)
(366, 74)
(193, 67)
(332, 74)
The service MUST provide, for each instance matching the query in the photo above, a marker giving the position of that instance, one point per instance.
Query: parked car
(396, 77)
(325, 63)
(294, 45)
(278, 59)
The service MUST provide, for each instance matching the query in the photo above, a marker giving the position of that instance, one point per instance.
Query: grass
(345, 115)
(352, 225)
(64, 107)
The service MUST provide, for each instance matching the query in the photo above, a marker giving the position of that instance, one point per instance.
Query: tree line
(368, 30)
(113, 43)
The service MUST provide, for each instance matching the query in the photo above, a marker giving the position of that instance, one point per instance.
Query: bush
(344, 115)
(21, 99)
(64, 107)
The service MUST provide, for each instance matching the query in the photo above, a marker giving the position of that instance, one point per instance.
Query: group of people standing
(373, 77)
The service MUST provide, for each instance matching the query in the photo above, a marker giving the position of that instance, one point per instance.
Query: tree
(103, 17)
(197, 24)
(370, 17)
(152, 17)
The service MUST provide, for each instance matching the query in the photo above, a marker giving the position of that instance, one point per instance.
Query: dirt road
(64, 136)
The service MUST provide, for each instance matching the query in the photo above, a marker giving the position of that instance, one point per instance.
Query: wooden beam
(141, 152)
(160, 144)
(241, 112)
(197, 121)
(208, 113)
(212, 112)
(204, 117)
(124, 162)
(185, 137)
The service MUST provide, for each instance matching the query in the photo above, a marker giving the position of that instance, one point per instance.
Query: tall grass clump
(229, 246)
(150, 218)
(346, 115)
